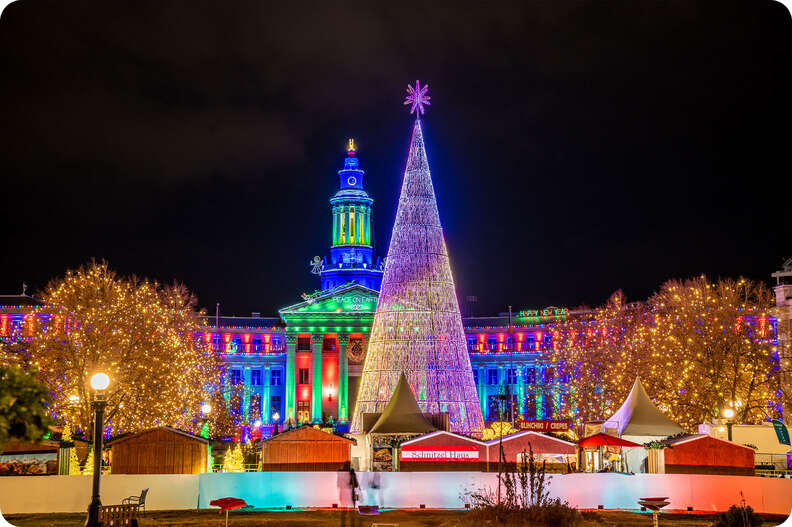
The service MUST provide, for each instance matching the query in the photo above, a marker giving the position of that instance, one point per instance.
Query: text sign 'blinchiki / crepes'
(544, 426)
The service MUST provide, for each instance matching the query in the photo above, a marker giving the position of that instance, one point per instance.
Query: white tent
(640, 421)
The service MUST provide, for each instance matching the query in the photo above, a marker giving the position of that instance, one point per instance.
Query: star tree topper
(417, 97)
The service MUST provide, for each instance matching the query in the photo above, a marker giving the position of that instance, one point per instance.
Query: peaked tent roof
(638, 416)
(402, 415)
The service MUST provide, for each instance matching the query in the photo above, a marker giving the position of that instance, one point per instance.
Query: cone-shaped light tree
(417, 327)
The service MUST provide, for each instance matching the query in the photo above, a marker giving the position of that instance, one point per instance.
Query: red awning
(604, 440)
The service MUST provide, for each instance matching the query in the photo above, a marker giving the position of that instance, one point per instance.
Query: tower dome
(352, 249)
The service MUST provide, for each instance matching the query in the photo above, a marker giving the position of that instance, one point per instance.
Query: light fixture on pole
(99, 383)
(728, 413)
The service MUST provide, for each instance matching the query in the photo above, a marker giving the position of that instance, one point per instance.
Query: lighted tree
(594, 352)
(234, 460)
(138, 332)
(712, 345)
(89, 463)
(74, 461)
(698, 347)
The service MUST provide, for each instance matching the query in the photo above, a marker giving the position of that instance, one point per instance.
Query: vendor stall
(640, 421)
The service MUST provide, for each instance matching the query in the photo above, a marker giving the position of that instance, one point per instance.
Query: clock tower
(352, 249)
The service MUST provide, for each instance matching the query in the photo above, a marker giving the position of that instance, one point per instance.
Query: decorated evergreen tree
(89, 463)
(74, 461)
(417, 326)
(234, 460)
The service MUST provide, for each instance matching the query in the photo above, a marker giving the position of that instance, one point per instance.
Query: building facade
(305, 365)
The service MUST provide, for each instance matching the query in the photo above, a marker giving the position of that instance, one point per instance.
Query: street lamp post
(99, 383)
(276, 417)
(728, 413)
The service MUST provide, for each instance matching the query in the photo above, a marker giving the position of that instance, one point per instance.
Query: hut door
(303, 411)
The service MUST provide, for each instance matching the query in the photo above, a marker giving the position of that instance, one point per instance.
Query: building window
(547, 375)
(304, 344)
(511, 376)
(255, 407)
(256, 345)
(303, 379)
(492, 344)
(236, 376)
(275, 377)
(471, 343)
(475, 376)
(255, 378)
(548, 406)
(276, 342)
(329, 345)
(493, 407)
(530, 375)
(530, 406)
(275, 406)
(492, 376)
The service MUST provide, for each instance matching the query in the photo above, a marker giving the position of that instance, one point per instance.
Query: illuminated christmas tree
(74, 461)
(233, 461)
(89, 463)
(417, 327)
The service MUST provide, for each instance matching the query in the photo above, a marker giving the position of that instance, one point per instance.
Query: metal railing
(772, 465)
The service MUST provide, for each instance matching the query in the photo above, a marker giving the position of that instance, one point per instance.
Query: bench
(118, 515)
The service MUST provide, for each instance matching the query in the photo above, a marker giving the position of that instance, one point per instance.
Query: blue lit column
(265, 395)
(482, 392)
(502, 382)
(521, 392)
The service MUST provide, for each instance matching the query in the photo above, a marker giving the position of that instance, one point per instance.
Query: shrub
(738, 516)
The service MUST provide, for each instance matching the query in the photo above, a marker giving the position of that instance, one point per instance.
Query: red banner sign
(544, 426)
(458, 453)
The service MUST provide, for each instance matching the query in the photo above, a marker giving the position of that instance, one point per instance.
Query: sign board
(781, 431)
(544, 426)
(434, 453)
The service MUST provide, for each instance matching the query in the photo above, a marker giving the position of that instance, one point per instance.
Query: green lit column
(316, 381)
(482, 392)
(265, 395)
(343, 379)
(246, 396)
(291, 384)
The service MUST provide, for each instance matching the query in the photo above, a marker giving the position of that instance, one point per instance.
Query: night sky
(576, 147)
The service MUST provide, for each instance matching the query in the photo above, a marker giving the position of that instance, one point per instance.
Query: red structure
(704, 454)
(447, 451)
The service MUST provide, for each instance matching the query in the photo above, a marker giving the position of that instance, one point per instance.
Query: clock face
(351, 181)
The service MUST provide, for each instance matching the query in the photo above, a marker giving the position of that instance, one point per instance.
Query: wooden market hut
(702, 454)
(558, 455)
(442, 451)
(162, 450)
(306, 449)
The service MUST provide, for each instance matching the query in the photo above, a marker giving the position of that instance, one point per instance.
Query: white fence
(401, 489)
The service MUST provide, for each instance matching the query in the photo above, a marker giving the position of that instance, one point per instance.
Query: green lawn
(333, 518)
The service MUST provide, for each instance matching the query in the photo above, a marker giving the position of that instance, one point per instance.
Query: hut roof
(402, 415)
(638, 416)
(119, 439)
(307, 433)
